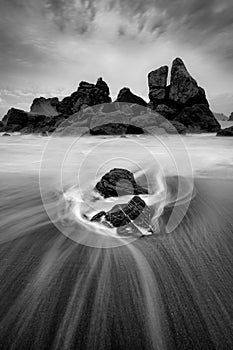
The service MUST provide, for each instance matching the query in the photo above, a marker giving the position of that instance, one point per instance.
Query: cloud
(51, 44)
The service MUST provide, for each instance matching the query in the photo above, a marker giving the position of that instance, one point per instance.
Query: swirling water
(163, 291)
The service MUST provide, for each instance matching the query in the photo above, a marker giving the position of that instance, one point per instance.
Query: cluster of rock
(130, 218)
(183, 103)
(182, 100)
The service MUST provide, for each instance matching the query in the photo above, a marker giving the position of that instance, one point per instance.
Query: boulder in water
(119, 182)
(128, 218)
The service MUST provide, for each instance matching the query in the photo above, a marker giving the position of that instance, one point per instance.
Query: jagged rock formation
(45, 106)
(157, 81)
(221, 116)
(86, 95)
(183, 100)
(125, 95)
(231, 117)
(119, 182)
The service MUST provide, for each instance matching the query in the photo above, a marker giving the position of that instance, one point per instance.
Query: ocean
(68, 284)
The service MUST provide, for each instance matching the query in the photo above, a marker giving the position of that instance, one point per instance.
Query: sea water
(64, 287)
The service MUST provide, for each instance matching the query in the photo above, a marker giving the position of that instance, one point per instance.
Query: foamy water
(169, 290)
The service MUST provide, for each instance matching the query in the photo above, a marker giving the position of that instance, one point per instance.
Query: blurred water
(165, 291)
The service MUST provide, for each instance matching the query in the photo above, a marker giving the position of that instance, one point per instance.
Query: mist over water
(163, 291)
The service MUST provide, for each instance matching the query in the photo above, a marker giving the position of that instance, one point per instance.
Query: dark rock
(127, 218)
(122, 214)
(16, 117)
(158, 78)
(12, 127)
(183, 86)
(157, 81)
(226, 132)
(6, 134)
(45, 106)
(198, 118)
(87, 94)
(166, 111)
(119, 182)
(125, 95)
(99, 216)
(116, 129)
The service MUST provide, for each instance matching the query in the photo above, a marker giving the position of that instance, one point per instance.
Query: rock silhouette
(125, 95)
(119, 182)
(183, 100)
(183, 103)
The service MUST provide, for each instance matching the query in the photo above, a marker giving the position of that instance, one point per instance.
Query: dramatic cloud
(48, 46)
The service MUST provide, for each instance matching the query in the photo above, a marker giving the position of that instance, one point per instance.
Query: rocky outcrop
(86, 95)
(119, 182)
(183, 100)
(157, 81)
(183, 103)
(15, 117)
(198, 118)
(226, 132)
(45, 106)
(125, 95)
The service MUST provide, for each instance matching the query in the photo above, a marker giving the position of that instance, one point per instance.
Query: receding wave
(162, 291)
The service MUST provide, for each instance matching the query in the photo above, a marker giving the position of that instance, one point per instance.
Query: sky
(48, 46)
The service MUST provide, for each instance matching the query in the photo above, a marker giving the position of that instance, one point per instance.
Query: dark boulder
(122, 214)
(198, 118)
(125, 95)
(128, 218)
(182, 86)
(226, 132)
(6, 134)
(116, 129)
(16, 117)
(119, 182)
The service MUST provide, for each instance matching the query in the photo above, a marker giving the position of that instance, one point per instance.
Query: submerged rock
(119, 182)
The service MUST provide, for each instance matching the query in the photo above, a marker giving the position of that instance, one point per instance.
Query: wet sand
(165, 291)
